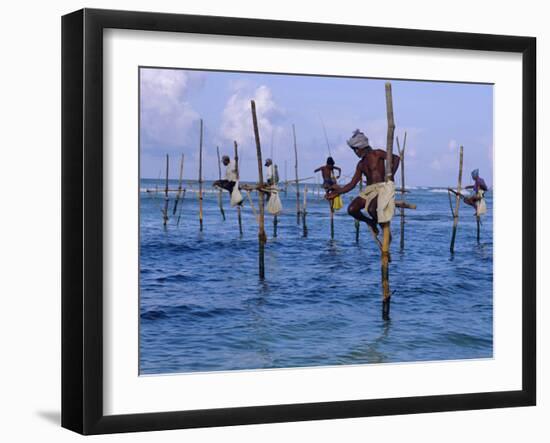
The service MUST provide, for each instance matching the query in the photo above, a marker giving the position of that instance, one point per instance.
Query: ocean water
(203, 308)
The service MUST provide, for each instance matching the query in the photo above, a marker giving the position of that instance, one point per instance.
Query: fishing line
(325, 132)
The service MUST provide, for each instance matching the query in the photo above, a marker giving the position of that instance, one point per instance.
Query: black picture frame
(82, 218)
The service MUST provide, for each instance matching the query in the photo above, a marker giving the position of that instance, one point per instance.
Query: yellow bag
(337, 203)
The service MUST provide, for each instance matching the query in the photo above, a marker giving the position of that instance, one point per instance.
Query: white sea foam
(173, 191)
(441, 190)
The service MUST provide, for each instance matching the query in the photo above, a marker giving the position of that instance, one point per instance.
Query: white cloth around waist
(481, 204)
(385, 191)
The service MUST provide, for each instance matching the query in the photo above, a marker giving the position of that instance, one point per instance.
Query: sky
(438, 118)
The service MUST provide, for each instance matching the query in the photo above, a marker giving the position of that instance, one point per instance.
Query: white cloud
(237, 116)
(166, 115)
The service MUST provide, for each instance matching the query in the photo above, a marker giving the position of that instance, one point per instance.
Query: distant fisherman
(327, 171)
(274, 205)
(272, 176)
(272, 172)
(378, 197)
(230, 175)
(477, 199)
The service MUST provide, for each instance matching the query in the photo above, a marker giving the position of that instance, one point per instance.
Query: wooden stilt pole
(386, 240)
(357, 223)
(296, 171)
(402, 209)
(238, 178)
(200, 178)
(165, 210)
(331, 207)
(180, 186)
(304, 212)
(220, 202)
(457, 204)
(276, 183)
(478, 226)
(286, 180)
(261, 227)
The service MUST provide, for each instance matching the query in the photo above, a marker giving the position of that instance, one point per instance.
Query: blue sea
(203, 307)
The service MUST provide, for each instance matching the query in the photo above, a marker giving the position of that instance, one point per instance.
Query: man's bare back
(327, 171)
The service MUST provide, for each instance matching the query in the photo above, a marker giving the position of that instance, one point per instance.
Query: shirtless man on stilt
(371, 164)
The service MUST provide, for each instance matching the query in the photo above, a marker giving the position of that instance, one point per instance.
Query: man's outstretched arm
(346, 188)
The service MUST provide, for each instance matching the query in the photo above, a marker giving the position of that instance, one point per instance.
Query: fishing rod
(326, 136)
(271, 153)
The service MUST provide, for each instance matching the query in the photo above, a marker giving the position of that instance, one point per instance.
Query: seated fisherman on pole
(327, 171)
(378, 197)
(272, 176)
(230, 175)
(477, 200)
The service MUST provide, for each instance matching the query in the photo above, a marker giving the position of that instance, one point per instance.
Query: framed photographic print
(269, 221)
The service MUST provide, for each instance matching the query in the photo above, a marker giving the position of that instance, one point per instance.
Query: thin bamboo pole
(457, 204)
(200, 178)
(304, 212)
(261, 227)
(180, 186)
(331, 208)
(155, 191)
(165, 210)
(303, 179)
(220, 203)
(296, 171)
(385, 258)
(478, 226)
(237, 184)
(276, 183)
(402, 209)
(286, 179)
(357, 223)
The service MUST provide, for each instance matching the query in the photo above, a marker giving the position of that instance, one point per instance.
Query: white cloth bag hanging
(274, 205)
(481, 205)
(236, 196)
